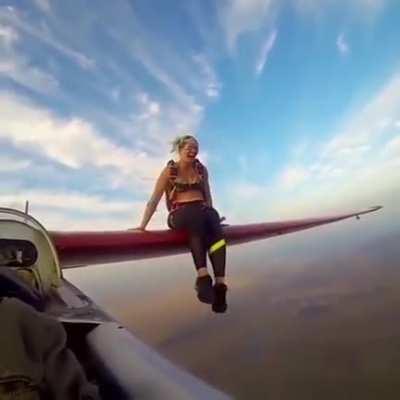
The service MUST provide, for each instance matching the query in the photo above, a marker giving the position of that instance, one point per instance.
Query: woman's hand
(138, 228)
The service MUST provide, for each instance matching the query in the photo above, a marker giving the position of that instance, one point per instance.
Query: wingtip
(367, 211)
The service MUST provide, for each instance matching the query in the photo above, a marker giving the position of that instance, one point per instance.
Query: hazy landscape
(311, 315)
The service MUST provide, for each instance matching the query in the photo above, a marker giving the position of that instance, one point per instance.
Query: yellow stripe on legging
(217, 245)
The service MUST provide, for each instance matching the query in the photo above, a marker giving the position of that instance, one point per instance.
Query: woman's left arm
(207, 191)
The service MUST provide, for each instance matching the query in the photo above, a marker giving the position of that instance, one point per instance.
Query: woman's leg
(217, 254)
(189, 218)
(194, 222)
(216, 244)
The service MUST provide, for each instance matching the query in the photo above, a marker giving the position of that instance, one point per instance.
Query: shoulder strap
(172, 170)
(172, 175)
(199, 168)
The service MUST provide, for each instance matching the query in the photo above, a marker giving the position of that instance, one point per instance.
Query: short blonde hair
(179, 142)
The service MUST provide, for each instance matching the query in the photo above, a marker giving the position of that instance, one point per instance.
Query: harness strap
(173, 174)
(172, 170)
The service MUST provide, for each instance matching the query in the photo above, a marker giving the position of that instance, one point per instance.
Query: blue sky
(296, 105)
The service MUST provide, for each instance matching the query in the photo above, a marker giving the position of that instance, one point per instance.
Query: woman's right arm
(151, 206)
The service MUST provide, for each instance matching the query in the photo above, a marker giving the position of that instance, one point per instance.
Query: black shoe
(204, 289)
(219, 304)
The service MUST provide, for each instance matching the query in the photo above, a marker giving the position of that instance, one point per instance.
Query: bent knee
(213, 216)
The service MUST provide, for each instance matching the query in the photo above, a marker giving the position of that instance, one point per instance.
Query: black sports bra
(184, 187)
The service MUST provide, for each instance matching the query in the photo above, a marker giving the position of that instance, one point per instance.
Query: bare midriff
(190, 195)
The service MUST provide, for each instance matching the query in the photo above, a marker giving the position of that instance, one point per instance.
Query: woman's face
(189, 150)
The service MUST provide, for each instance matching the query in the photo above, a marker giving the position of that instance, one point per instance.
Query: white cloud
(154, 108)
(246, 191)
(149, 107)
(67, 210)
(236, 206)
(360, 154)
(190, 80)
(10, 164)
(364, 9)
(75, 143)
(13, 18)
(59, 220)
(265, 51)
(67, 201)
(143, 52)
(17, 68)
(393, 147)
(342, 45)
(384, 123)
(72, 210)
(325, 171)
(360, 142)
(8, 35)
(72, 142)
(347, 153)
(357, 167)
(366, 126)
(161, 75)
(155, 123)
(43, 5)
(292, 177)
(211, 85)
(239, 16)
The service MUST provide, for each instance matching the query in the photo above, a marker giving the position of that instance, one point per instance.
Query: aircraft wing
(80, 248)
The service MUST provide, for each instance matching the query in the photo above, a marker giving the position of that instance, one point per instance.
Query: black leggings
(205, 233)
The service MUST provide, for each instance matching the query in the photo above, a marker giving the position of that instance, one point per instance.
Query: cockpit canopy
(26, 247)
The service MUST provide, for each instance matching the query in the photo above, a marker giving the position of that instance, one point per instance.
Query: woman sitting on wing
(189, 203)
